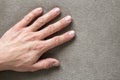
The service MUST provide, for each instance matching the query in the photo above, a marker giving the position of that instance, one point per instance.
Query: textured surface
(93, 55)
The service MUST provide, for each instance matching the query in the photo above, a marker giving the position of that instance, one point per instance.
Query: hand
(22, 45)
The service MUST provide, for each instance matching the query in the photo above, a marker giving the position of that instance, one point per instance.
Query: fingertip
(55, 63)
(57, 10)
(39, 9)
(71, 33)
(68, 19)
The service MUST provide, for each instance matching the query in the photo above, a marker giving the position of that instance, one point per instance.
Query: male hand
(23, 45)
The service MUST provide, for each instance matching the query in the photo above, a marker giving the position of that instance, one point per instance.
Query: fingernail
(68, 19)
(72, 33)
(55, 64)
(57, 9)
(40, 9)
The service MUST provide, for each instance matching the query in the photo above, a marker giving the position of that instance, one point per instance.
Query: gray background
(95, 52)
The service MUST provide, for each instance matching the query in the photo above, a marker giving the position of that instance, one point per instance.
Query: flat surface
(93, 55)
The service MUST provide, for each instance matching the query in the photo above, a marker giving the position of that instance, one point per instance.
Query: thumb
(45, 64)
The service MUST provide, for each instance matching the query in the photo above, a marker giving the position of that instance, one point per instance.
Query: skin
(23, 45)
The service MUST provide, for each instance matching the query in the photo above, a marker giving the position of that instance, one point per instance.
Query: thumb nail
(55, 63)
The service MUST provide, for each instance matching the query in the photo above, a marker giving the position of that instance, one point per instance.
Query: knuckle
(28, 17)
(40, 46)
(56, 39)
(29, 36)
(46, 66)
(51, 28)
(41, 20)
(32, 38)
